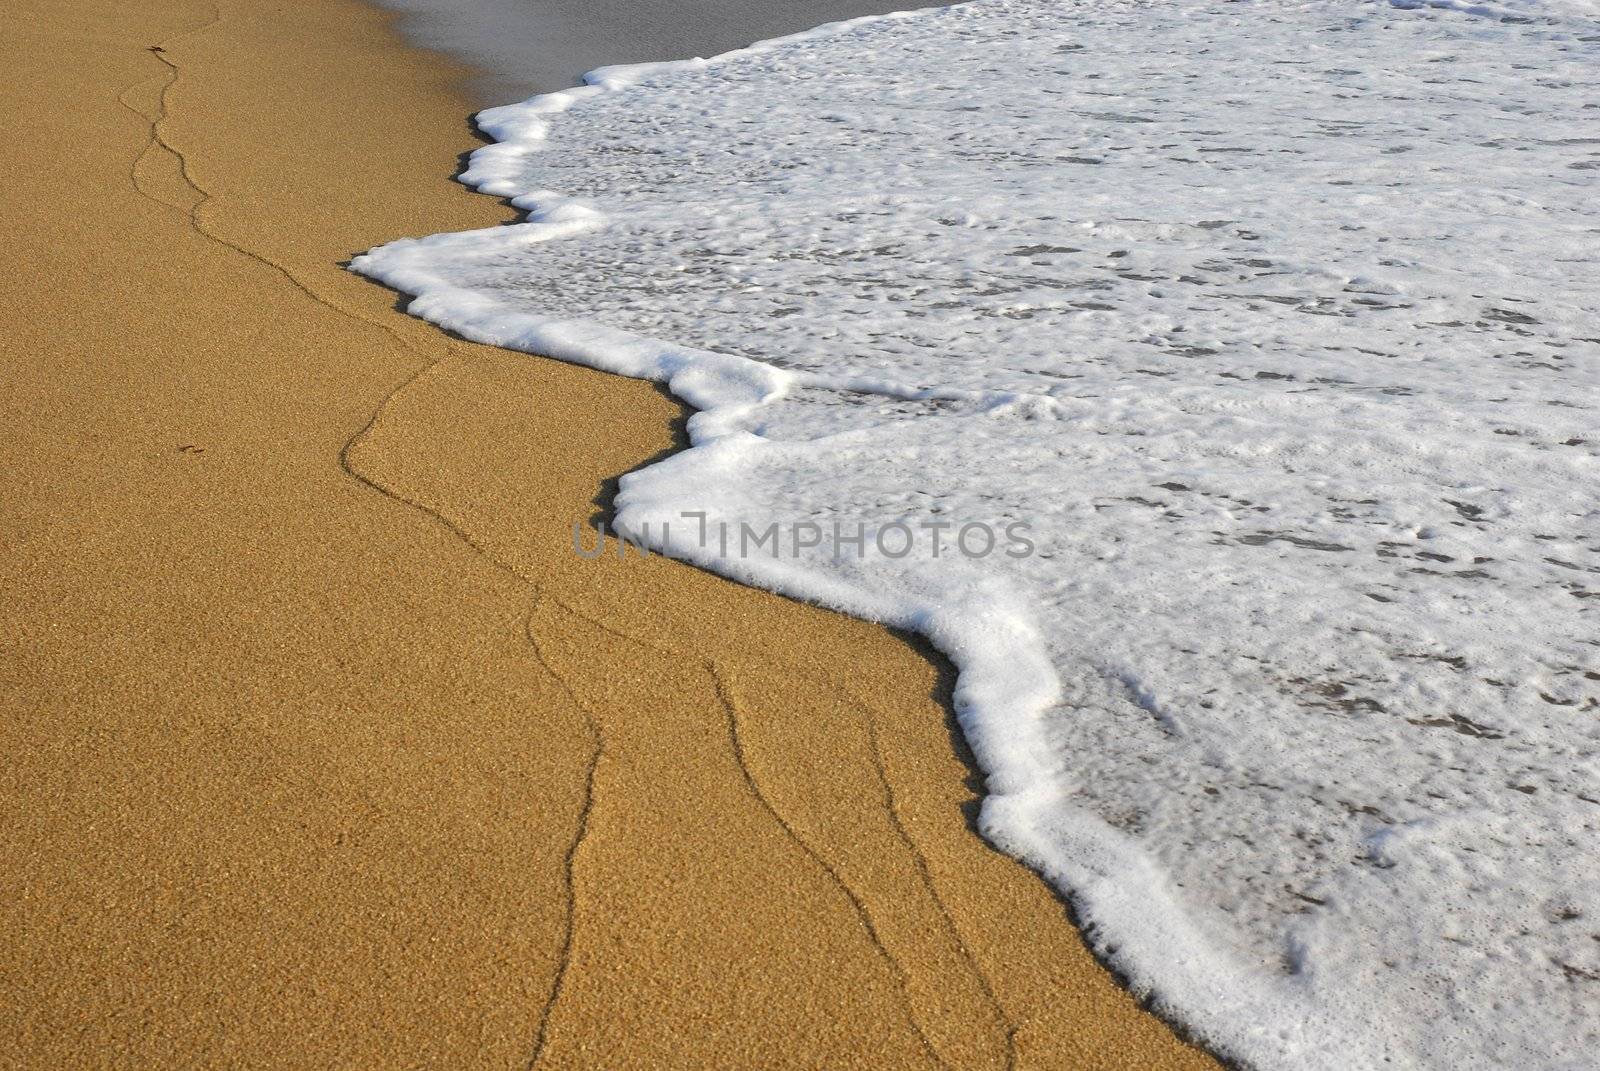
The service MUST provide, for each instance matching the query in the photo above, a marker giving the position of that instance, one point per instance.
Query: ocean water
(1267, 338)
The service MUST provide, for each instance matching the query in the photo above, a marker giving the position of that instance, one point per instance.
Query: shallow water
(523, 47)
(1277, 327)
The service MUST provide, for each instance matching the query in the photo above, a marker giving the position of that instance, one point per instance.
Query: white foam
(1279, 323)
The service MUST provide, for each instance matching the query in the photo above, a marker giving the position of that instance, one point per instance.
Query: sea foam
(1278, 326)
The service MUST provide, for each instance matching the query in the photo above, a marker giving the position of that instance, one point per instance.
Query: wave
(1274, 330)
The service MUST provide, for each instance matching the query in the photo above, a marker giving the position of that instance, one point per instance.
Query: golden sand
(325, 757)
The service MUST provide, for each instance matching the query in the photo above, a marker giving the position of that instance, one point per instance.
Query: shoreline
(310, 777)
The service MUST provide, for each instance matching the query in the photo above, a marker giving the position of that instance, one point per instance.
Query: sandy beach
(324, 749)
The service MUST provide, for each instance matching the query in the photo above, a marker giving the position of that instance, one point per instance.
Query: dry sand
(323, 758)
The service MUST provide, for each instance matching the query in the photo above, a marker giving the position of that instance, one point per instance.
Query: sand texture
(322, 748)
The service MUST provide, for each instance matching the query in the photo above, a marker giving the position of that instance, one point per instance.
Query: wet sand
(323, 749)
